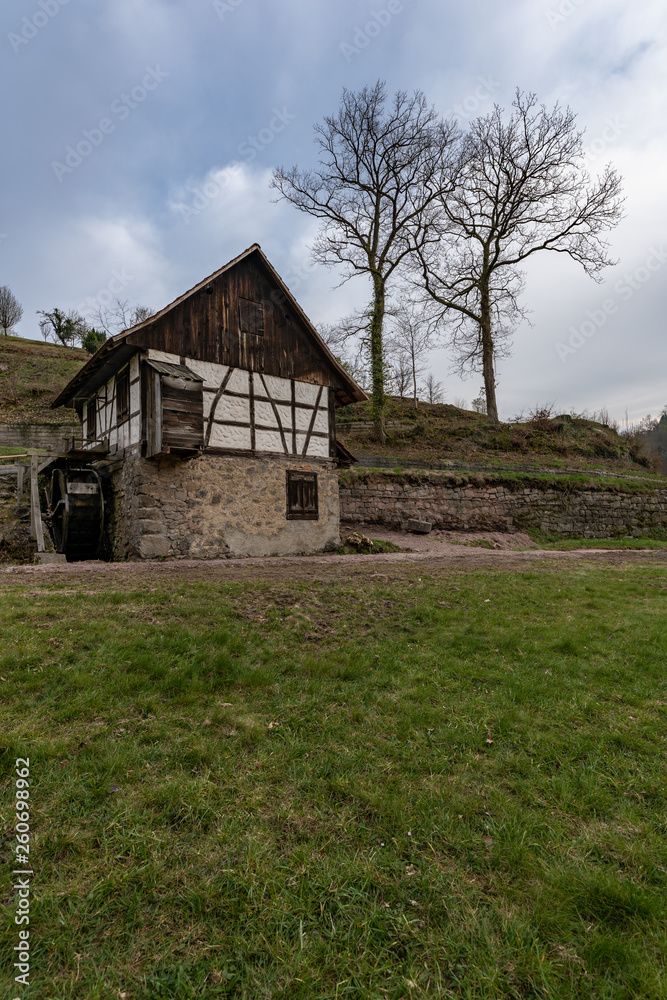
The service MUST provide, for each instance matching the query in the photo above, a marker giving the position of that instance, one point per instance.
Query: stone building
(208, 429)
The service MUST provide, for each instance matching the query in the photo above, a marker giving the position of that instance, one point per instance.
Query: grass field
(411, 783)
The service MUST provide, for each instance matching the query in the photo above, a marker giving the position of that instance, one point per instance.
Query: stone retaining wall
(50, 436)
(212, 506)
(559, 508)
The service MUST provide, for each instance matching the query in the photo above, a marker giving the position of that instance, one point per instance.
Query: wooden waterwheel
(76, 512)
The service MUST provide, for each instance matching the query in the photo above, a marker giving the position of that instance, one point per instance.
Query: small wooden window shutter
(302, 502)
(251, 317)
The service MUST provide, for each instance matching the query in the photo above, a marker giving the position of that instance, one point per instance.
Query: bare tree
(434, 389)
(479, 404)
(412, 334)
(119, 315)
(63, 328)
(348, 340)
(399, 375)
(11, 310)
(381, 166)
(522, 188)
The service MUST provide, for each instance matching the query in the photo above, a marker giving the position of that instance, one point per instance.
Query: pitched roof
(99, 368)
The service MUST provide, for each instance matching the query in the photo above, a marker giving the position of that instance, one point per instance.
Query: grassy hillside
(443, 433)
(31, 374)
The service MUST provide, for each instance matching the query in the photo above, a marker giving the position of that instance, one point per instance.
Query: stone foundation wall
(213, 506)
(560, 509)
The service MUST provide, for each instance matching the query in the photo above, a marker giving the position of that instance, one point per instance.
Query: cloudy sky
(140, 137)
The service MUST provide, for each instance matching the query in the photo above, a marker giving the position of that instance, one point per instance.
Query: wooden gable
(241, 318)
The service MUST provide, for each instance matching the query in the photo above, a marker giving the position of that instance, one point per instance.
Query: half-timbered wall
(243, 412)
(249, 412)
(119, 435)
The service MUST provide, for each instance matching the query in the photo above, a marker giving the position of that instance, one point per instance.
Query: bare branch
(522, 188)
(383, 167)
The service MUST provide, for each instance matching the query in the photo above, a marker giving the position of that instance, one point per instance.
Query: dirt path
(433, 553)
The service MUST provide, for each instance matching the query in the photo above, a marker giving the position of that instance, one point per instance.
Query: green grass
(441, 432)
(31, 375)
(405, 784)
(379, 546)
(656, 539)
(570, 483)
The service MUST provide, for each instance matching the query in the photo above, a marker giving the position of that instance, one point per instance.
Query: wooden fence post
(36, 528)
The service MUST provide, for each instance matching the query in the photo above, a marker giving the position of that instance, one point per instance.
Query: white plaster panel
(304, 392)
(170, 359)
(211, 373)
(318, 446)
(135, 397)
(134, 367)
(278, 388)
(322, 421)
(238, 381)
(135, 435)
(264, 414)
(223, 436)
(303, 418)
(207, 403)
(285, 414)
(269, 441)
(233, 408)
(300, 441)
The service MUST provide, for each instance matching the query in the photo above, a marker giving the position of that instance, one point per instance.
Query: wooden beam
(36, 528)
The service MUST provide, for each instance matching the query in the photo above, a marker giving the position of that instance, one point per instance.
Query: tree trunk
(414, 376)
(487, 356)
(378, 402)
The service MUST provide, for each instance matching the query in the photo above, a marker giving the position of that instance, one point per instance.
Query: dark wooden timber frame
(258, 392)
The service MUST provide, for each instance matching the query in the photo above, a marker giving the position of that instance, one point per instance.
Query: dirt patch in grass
(333, 568)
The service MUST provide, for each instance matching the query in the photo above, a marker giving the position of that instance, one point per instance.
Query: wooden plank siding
(207, 325)
(182, 414)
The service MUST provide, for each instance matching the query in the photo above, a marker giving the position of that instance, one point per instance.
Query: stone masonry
(557, 508)
(213, 506)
